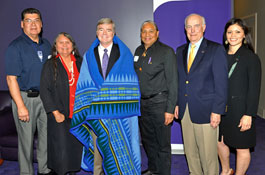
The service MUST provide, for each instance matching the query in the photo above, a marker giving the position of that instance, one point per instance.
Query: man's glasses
(30, 21)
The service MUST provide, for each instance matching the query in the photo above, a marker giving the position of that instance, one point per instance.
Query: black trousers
(155, 136)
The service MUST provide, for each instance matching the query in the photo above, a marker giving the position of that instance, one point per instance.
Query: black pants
(156, 136)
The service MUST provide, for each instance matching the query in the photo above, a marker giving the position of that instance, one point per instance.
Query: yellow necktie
(191, 57)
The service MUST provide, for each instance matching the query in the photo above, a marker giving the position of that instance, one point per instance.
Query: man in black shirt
(156, 67)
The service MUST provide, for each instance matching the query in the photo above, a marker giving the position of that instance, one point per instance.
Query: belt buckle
(32, 93)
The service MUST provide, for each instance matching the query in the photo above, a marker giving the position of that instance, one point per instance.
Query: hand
(23, 113)
(215, 120)
(176, 113)
(59, 117)
(245, 123)
(168, 118)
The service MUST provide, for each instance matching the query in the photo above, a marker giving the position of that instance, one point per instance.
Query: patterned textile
(111, 109)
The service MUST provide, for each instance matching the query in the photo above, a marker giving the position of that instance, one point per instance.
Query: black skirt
(64, 150)
(232, 135)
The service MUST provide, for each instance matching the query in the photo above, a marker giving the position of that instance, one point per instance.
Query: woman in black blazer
(57, 90)
(237, 127)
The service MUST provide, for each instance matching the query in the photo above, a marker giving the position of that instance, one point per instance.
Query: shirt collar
(108, 48)
(152, 46)
(155, 44)
(197, 44)
(30, 40)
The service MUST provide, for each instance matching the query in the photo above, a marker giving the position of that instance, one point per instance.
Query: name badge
(40, 55)
(136, 58)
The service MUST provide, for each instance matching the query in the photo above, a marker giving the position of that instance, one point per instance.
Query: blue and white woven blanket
(110, 108)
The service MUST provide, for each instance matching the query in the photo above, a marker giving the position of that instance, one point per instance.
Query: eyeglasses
(30, 21)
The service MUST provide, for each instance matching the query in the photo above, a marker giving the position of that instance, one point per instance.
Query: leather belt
(31, 93)
(150, 96)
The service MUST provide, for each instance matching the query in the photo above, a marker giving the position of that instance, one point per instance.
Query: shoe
(146, 172)
(71, 173)
(231, 172)
(49, 173)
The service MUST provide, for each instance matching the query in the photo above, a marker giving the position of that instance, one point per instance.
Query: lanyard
(232, 68)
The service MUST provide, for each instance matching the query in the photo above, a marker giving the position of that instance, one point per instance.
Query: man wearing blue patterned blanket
(107, 105)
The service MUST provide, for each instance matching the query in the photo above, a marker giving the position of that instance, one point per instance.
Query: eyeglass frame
(30, 21)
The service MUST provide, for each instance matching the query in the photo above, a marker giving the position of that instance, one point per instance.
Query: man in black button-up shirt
(156, 67)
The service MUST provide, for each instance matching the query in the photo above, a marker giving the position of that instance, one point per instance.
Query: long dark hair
(247, 41)
(75, 51)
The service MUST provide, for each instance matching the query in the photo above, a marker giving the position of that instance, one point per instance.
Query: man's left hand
(215, 120)
(168, 118)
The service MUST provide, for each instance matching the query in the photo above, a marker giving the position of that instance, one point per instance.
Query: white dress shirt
(101, 51)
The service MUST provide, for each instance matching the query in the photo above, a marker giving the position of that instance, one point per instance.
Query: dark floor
(179, 165)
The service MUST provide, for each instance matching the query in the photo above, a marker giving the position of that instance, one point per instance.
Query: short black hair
(151, 22)
(30, 11)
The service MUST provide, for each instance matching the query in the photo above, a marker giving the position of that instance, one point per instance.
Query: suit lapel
(98, 60)
(61, 69)
(78, 63)
(199, 55)
(185, 53)
(114, 56)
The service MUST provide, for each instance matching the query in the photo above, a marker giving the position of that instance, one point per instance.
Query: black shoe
(49, 173)
(146, 172)
(71, 173)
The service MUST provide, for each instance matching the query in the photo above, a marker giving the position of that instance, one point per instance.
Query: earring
(226, 42)
(245, 41)
(73, 52)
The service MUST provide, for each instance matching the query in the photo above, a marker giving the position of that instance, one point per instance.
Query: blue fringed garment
(111, 109)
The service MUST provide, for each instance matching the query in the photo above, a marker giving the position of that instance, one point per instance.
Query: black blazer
(243, 98)
(55, 94)
(244, 84)
(114, 56)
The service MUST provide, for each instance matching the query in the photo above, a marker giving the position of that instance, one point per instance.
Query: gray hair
(195, 14)
(106, 21)
(151, 22)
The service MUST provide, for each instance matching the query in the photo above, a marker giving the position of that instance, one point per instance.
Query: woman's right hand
(245, 123)
(59, 117)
